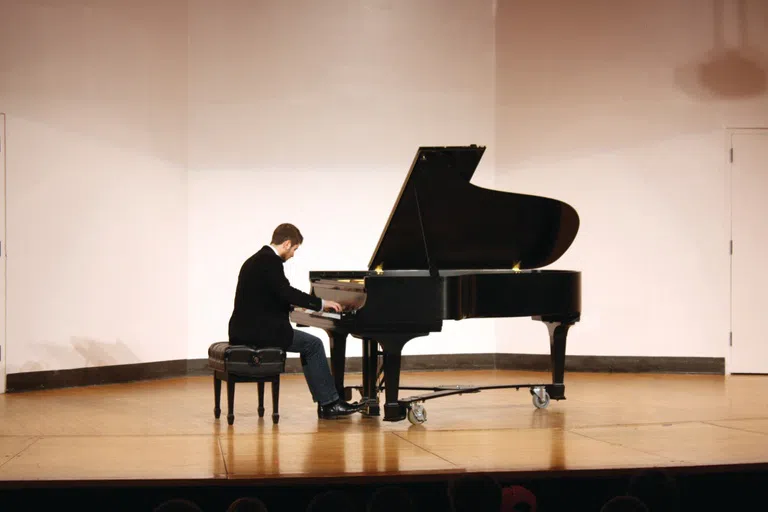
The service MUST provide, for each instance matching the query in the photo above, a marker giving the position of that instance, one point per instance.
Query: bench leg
(261, 399)
(275, 398)
(216, 396)
(230, 401)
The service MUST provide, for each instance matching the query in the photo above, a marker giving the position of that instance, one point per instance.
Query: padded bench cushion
(246, 361)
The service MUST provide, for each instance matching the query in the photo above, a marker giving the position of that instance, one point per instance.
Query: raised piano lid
(442, 221)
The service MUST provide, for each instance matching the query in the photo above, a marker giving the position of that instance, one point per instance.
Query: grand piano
(450, 250)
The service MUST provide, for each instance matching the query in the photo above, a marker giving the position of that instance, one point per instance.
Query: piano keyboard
(324, 314)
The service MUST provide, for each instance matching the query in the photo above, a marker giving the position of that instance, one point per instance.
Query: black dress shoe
(336, 409)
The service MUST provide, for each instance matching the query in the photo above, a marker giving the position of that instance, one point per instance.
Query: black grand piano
(450, 251)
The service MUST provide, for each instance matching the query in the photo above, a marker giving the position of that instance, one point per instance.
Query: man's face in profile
(288, 250)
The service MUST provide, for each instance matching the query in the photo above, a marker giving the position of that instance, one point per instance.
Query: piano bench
(242, 363)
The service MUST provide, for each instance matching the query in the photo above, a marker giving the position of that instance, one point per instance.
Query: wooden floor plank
(327, 454)
(11, 446)
(117, 458)
(551, 449)
(750, 425)
(692, 443)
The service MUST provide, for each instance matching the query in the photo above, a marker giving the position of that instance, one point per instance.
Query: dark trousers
(315, 366)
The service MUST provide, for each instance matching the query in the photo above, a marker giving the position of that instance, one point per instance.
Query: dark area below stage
(703, 488)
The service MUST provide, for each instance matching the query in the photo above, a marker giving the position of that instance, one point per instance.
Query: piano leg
(392, 347)
(393, 411)
(338, 342)
(370, 372)
(558, 332)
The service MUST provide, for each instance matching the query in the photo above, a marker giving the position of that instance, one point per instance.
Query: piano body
(450, 251)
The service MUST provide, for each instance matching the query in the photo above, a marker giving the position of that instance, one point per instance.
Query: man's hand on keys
(329, 305)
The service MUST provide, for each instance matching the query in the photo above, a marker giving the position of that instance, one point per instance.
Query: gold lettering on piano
(516, 267)
(379, 269)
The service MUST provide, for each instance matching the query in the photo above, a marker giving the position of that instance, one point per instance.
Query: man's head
(286, 239)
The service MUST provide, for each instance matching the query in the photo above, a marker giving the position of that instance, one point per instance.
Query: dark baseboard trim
(113, 374)
(53, 379)
(615, 364)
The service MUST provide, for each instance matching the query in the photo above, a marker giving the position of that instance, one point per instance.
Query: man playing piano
(263, 301)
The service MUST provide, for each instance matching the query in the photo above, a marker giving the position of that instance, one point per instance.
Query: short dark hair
(285, 232)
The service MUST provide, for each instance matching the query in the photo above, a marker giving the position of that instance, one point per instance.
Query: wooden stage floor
(165, 429)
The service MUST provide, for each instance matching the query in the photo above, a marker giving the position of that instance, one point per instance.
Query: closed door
(3, 323)
(749, 258)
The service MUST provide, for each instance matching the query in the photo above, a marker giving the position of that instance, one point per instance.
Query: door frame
(4, 260)
(730, 131)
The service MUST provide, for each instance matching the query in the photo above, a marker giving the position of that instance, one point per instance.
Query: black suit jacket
(263, 301)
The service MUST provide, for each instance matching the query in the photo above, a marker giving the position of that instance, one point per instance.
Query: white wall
(311, 112)
(227, 120)
(95, 96)
(600, 105)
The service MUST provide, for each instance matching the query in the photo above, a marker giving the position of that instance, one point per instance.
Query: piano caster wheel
(540, 397)
(417, 414)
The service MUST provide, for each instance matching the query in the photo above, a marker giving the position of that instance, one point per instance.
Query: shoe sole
(336, 416)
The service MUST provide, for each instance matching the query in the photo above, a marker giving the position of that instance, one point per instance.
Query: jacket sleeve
(288, 294)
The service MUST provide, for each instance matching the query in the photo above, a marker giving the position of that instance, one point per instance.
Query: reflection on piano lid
(441, 221)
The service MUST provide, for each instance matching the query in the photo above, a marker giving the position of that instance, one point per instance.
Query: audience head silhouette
(247, 504)
(178, 505)
(388, 499)
(331, 501)
(517, 498)
(624, 504)
(657, 489)
(475, 493)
